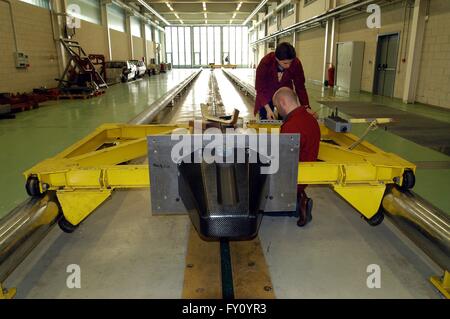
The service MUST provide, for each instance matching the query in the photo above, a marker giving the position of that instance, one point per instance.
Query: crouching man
(296, 119)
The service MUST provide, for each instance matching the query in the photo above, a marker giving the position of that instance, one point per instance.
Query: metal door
(386, 64)
(344, 64)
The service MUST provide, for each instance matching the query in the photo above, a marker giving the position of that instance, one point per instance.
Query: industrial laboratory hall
(205, 152)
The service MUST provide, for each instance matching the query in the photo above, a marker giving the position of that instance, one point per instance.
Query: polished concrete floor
(42, 133)
(433, 174)
(123, 251)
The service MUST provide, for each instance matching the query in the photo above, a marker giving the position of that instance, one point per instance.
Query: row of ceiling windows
(90, 11)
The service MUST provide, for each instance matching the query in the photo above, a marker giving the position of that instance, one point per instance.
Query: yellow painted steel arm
(85, 174)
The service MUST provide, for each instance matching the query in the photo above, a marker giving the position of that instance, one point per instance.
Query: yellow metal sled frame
(84, 175)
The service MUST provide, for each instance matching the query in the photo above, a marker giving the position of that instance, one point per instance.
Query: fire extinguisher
(331, 75)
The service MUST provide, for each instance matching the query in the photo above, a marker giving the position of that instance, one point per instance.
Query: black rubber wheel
(32, 186)
(376, 219)
(66, 226)
(409, 180)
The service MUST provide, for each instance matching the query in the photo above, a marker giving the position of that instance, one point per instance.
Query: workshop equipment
(336, 123)
(80, 75)
(226, 193)
(5, 112)
(99, 62)
(85, 174)
(21, 101)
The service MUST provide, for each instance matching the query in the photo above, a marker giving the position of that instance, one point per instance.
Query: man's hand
(270, 114)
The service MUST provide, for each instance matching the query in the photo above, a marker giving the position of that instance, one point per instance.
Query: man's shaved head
(285, 100)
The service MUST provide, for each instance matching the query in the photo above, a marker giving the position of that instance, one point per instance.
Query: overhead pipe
(317, 20)
(153, 11)
(137, 14)
(263, 2)
(11, 15)
(276, 10)
(26, 226)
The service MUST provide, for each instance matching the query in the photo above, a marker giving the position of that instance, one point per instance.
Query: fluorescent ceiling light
(234, 15)
(263, 2)
(181, 21)
(206, 21)
(169, 6)
(204, 6)
(205, 15)
(145, 5)
(178, 17)
(239, 6)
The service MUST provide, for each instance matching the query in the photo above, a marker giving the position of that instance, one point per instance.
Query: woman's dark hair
(285, 51)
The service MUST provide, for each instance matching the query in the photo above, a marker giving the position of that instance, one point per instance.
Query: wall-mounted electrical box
(21, 60)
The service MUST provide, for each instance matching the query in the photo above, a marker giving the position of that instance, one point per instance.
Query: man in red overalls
(278, 69)
(296, 119)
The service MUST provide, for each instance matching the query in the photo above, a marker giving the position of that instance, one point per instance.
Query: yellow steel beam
(85, 174)
(7, 293)
(442, 283)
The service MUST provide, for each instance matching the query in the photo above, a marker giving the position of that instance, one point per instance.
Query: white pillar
(144, 36)
(414, 51)
(326, 52)
(104, 13)
(130, 36)
(58, 24)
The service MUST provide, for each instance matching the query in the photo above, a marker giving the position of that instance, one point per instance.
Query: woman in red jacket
(278, 69)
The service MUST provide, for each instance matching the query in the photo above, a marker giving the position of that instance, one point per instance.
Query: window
(196, 46)
(203, 46)
(217, 48)
(169, 45)
(245, 46)
(307, 2)
(253, 36)
(238, 45)
(174, 45)
(187, 37)
(135, 24)
(40, 3)
(232, 45)
(288, 10)
(89, 10)
(273, 19)
(116, 17)
(210, 44)
(226, 45)
(181, 47)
